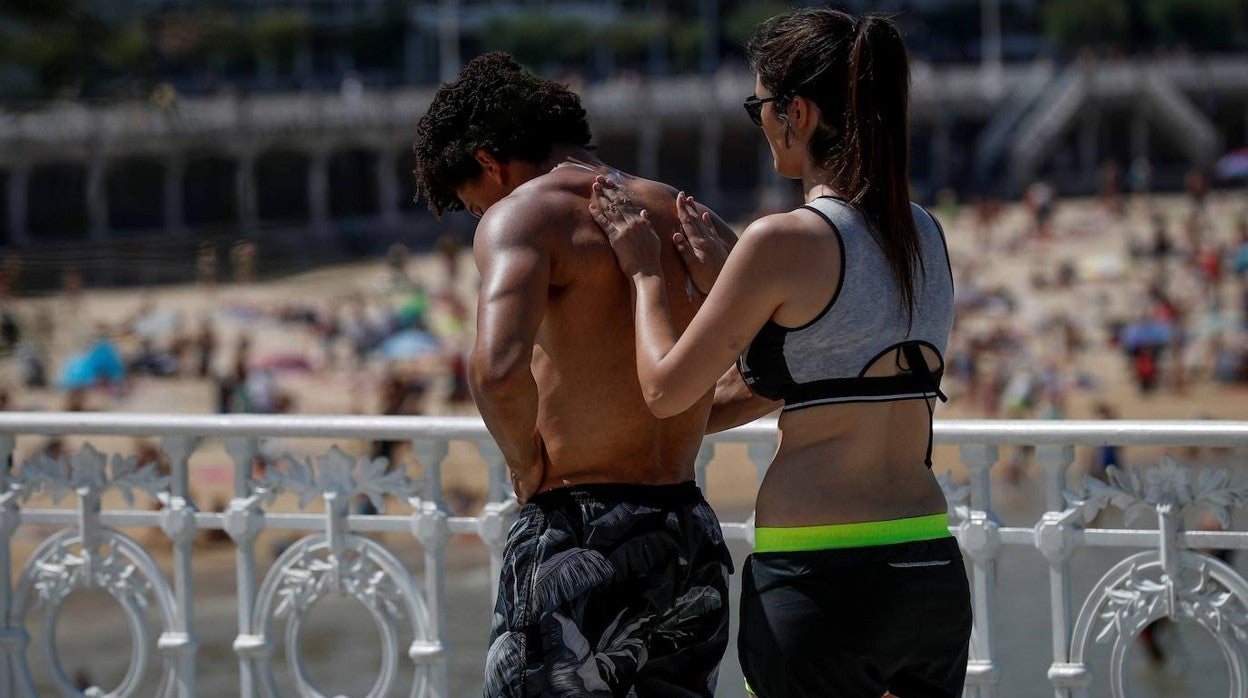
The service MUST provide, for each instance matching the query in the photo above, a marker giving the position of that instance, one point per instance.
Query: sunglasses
(754, 107)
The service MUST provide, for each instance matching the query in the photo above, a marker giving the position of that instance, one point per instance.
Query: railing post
(243, 522)
(12, 638)
(431, 527)
(1057, 539)
(178, 522)
(495, 521)
(980, 536)
(430, 453)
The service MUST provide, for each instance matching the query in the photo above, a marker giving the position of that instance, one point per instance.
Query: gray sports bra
(823, 361)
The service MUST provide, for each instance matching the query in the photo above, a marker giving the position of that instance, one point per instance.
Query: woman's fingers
(612, 195)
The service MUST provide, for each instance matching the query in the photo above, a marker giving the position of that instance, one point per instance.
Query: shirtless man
(615, 576)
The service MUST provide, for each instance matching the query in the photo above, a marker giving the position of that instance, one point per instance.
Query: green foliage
(277, 34)
(631, 38)
(686, 41)
(223, 42)
(1139, 25)
(956, 22)
(1207, 25)
(541, 39)
(1078, 23)
(741, 22)
(127, 50)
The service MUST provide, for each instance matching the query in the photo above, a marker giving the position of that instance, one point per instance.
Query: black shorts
(855, 622)
(611, 590)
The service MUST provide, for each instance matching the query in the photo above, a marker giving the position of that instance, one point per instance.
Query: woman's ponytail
(874, 163)
(856, 71)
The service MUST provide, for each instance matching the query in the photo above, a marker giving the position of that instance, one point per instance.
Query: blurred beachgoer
(151, 361)
(1106, 456)
(1110, 187)
(1196, 184)
(75, 400)
(1210, 262)
(1243, 304)
(461, 393)
(400, 396)
(1040, 198)
(232, 395)
(32, 352)
(329, 330)
(10, 330)
(1162, 246)
(1194, 232)
(987, 211)
(263, 391)
(11, 270)
(947, 204)
(397, 259)
(243, 259)
(206, 266)
(205, 347)
(1144, 362)
(180, 344)
(1239, 261)
(590, 462)
(1140, 176)
(355, 327)
(448, 252)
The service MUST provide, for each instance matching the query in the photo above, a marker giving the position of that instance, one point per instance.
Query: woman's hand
(628, 228)
(700, 246)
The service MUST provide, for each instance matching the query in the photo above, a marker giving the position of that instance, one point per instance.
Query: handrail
(1195, 432)
(1170, 577)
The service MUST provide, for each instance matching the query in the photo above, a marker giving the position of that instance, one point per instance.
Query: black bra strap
(918, 366)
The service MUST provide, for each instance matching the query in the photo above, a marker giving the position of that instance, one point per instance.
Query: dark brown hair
(857, 72)
(496, 106)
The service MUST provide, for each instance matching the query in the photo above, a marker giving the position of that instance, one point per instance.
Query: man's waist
(660, 496)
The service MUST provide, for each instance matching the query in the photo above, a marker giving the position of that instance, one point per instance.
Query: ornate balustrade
(1170, 577)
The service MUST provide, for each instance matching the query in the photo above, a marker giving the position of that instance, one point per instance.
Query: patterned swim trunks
(611, 590)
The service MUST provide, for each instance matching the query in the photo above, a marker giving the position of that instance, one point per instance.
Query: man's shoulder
(527, 215)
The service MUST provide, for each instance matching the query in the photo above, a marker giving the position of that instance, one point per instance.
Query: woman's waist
(857, 534)
(825, 487)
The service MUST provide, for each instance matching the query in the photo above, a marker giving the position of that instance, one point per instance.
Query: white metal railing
(1170, 578)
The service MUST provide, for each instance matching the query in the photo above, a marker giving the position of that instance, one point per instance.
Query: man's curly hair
(495, 106)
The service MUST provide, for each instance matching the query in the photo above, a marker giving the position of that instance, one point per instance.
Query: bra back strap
(918, 365)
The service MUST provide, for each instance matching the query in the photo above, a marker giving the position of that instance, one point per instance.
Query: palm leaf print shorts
(611, 590)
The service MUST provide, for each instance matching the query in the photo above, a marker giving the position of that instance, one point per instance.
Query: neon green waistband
(789, 539)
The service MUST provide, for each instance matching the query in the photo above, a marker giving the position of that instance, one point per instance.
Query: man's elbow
(495, 379)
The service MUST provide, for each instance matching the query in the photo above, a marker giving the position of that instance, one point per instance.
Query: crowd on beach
(398, 343)
(1171, 301)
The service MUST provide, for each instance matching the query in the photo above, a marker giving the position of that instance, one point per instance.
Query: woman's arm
(735, 404)
(676, 370)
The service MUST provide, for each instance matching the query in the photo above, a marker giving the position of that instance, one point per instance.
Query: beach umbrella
(408, 344)
(1233, 165)
(86, 369)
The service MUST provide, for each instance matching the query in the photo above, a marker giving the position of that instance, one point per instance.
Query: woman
(840, 309)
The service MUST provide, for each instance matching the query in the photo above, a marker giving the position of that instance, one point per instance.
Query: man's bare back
(591, 415)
